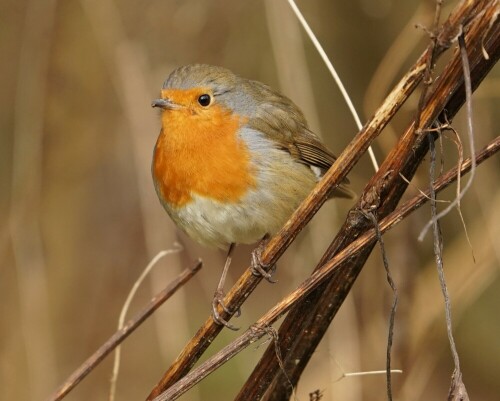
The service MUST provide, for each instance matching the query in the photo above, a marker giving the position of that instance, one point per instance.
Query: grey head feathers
(245, 97)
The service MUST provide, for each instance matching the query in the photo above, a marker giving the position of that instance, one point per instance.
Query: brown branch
(116, 339)
(305, 325)
(262, 326)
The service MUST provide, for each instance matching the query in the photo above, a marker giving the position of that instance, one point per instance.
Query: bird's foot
(259, 268)
(219, 300)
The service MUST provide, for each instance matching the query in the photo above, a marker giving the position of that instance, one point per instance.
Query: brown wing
(283, 122)
(315, 153)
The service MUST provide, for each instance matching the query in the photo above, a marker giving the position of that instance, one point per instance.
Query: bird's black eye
(204, 100)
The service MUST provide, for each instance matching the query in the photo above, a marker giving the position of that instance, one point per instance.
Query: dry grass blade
(121, 320)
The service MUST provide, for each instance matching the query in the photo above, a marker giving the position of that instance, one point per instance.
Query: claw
(261, 269)
(218, 300)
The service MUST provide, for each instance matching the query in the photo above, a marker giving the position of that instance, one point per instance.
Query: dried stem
(119, 336)
(392, 316)
(470, 132)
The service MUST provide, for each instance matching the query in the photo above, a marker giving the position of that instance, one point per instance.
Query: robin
(233, 160)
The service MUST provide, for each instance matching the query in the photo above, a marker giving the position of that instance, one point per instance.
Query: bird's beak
(165, 104)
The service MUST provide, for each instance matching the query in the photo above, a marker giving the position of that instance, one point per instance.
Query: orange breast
(200, 153)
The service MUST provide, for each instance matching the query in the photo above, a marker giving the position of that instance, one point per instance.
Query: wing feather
(285, 124)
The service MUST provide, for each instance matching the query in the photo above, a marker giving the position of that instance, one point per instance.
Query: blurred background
(80, 219)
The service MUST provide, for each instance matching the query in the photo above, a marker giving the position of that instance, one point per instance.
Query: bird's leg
(258, 267)
(219, 294)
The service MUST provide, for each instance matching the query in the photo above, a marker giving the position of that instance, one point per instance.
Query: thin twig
(79, 374)
(367, 373)
(370, 215)
(345, 375)
(258, 330)
(121, 320)
(458, 142)
(273, 334)
(334, 74)
(410, 184)
(470, 134)
(438, 253)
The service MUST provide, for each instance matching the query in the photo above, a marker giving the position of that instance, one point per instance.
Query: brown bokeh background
(80, 219)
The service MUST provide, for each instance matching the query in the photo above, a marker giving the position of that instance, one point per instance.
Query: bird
(233, 160)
